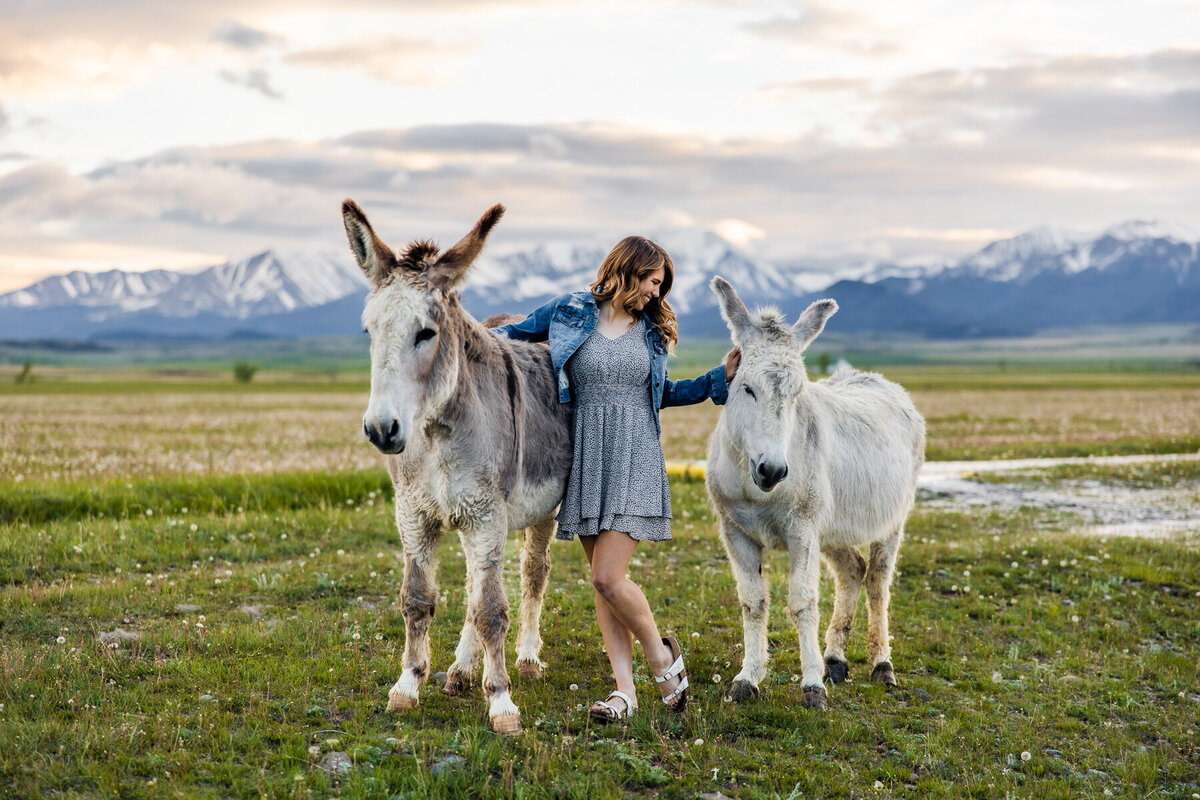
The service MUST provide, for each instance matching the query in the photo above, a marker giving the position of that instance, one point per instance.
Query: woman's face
(649, 288)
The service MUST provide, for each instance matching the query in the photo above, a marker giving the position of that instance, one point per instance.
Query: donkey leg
(460, 677)
(880, 568)
(418, 597)
(490, 615)
(848, 567)
(804, 564)
(745, 558)
(535, 573)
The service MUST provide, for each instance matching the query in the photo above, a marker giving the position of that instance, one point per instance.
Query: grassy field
(97, 424)
(199, 584)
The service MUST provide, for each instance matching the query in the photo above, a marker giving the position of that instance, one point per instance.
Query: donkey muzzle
(767, 475)
(385, 435)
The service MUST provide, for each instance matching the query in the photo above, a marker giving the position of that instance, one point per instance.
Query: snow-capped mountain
(112, 288)
(1133, 272)
(265, 283)
(519, 282)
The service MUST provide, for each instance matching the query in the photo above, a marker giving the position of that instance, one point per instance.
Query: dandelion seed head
(1026, 755)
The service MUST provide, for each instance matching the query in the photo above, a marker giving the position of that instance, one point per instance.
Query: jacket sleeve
(534, 328)
(710, 385)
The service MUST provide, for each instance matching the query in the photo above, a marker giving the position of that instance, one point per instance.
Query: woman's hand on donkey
(732, 360)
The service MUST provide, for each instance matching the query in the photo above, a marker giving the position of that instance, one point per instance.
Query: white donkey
(476, 439)
(819, 469)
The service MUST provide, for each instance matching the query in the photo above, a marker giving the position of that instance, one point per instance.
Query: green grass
(1123, 446)
(1081, 652)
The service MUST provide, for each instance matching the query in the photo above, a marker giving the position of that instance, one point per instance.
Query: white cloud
(739, 231)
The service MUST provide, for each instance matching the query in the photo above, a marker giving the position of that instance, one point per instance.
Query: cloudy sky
(143, 133)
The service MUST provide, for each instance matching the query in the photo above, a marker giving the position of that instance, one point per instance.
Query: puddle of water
(1107, 510)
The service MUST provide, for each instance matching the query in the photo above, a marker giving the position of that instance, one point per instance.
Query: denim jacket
(567, 320)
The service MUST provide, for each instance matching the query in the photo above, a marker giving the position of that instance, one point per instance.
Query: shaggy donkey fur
(816, 468)
(475, 440)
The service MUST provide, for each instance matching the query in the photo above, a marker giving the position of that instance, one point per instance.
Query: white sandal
(610, 713)
(676, 670)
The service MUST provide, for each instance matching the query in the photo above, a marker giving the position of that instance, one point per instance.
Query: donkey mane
(771, 324)
(417, 254)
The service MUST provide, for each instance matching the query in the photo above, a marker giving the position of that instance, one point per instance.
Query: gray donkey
(816, 468)
(476, 439)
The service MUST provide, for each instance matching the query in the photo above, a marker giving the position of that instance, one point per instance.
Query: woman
(609, 348)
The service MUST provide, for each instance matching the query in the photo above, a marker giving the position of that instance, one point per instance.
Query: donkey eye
(750, 392)
(423, 335)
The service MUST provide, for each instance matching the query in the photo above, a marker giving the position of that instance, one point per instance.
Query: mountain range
(1137, 272)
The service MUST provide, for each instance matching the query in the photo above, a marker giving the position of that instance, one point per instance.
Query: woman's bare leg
(609, 557)
(618, 641)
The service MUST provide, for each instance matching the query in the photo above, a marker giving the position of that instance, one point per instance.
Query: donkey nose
(387, 441)
(770, 474)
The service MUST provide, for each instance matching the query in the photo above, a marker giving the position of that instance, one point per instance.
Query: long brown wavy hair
(624, 268)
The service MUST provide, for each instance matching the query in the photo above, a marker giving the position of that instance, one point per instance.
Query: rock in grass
(337, 763)
(448, 763)
(187, 608)
(253, 612)
(438, 678)
(118, 637)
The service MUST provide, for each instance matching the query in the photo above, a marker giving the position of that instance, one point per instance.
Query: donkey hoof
(529, 669)
(507, 724)
(814, 698)
(743, 691)
(883, 674)
(836, 671)
(457, 684)
(400, 702)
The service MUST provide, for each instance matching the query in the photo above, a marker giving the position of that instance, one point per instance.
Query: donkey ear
(451, 268)
(733, 310)
(812, 321)
(373, 256)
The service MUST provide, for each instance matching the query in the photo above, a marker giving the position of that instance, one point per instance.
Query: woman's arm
(534, 328)
(713, 384)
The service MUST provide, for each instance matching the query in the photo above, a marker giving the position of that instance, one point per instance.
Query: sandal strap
(617, 693)
(611, 711)
(680, 689)
(673, 671)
